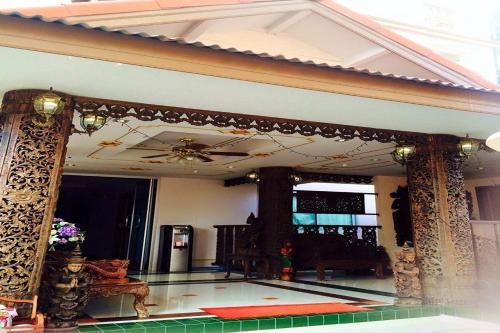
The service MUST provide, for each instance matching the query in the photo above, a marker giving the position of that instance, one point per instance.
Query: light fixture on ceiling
(344, 165)
(341, 140)
(230, 167)
(467, 146)
(92, 121)
(253, 176)
(493, 141)
(47, 105)
(402, 153)
(184, 158)
(121, 120)
(295, 178)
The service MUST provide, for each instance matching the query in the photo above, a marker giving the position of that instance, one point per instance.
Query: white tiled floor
(363, 295)
(441, 324)
(185, 276)
(190, 297)
(185, 298)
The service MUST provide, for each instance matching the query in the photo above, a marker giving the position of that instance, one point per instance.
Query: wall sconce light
(253, 176)
(92, 122)
(47, 105)
(466, 147)
(295, 178)
(401, 154)
(493, 141)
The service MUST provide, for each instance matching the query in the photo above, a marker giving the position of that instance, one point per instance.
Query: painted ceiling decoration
(140, 130)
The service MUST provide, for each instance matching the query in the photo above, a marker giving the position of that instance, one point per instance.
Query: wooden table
(138, 288)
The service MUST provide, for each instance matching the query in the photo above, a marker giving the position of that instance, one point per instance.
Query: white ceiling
(120, 149)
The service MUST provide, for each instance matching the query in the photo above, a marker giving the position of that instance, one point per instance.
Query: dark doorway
(115, 213)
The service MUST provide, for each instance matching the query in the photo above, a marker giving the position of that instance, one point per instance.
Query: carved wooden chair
(108, 270)
(32, 323)
(109, 278)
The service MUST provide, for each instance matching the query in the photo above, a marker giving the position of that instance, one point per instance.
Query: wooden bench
(109, 278)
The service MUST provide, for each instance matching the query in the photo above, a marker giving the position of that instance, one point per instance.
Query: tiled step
(215, 325)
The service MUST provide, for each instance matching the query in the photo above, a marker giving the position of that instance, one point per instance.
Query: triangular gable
(385, 51)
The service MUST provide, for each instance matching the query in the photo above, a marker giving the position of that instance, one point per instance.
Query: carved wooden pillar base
(443, 239)
(30, 167)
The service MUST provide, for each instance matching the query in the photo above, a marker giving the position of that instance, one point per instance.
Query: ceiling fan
(192, 151)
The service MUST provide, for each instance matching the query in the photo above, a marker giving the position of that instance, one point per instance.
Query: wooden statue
(406, 277)
(64, 291)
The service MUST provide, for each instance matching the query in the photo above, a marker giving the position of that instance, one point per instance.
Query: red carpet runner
(238, 312)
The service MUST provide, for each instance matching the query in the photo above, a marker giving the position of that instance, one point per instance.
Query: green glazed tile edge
(215, 325)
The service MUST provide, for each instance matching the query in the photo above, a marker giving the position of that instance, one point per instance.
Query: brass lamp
(401, 153)
(466, 147)
(253, 176)
(92, 122)
(295, 178)
(47, 105)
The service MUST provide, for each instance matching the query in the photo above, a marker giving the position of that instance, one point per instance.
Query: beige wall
(201, 203)
(384, 185)
(471, 184)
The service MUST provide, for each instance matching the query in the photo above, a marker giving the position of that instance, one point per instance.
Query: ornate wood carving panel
(458, 212)
(443, 240)
(424, 213)
(30, 175)
(174, 115)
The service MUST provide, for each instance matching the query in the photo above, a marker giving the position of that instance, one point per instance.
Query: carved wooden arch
(173, 115)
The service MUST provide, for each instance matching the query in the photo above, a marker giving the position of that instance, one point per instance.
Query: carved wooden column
(439, 212)
(31, 159)
(275, 208)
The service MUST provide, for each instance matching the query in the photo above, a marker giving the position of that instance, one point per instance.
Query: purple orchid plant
(64, 233)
